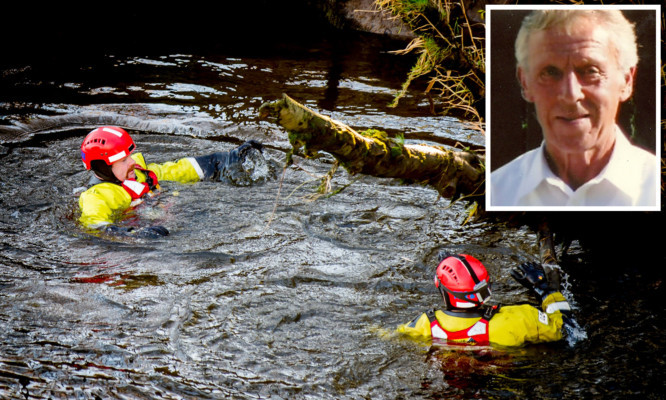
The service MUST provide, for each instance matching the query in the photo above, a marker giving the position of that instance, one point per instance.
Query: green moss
(375, 134)
(394, 145)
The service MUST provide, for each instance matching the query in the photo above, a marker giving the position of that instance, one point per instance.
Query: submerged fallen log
(452, 173)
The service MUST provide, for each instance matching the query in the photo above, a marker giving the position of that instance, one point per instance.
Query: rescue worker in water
(464, 285)
(121, 179)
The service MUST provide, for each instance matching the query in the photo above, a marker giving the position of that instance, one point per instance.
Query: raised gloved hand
(537, 278)
(148, 232)
(532, 276)
(214, 164)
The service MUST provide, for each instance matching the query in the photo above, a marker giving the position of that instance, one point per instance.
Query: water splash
(574, 332)
(255, 169)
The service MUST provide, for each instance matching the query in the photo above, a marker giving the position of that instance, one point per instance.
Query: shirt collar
(538, 172)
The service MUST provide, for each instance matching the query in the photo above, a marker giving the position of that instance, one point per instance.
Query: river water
(269, 291)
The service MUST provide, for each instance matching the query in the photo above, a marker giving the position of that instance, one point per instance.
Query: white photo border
(657, 95)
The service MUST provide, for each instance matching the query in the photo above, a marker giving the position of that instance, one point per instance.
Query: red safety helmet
(463, 282)
(106, 143)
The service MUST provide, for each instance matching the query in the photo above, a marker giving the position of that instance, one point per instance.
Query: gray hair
(623, 37)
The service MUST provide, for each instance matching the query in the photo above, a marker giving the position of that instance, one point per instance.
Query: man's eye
(551, 73)
(590, 73)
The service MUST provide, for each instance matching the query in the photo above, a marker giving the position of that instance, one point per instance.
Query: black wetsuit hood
(103, 172)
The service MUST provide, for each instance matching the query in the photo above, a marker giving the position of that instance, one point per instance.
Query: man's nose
(571, 89)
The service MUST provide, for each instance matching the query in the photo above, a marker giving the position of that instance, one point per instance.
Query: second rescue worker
(466, 319)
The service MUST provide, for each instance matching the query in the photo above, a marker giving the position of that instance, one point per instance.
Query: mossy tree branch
(451, 173)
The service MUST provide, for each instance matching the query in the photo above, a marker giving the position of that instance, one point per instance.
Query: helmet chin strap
(449, 305)
(442, 293)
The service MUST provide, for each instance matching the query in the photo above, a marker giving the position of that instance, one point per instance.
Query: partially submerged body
(104, 201)
(463, 283)
(513, 325)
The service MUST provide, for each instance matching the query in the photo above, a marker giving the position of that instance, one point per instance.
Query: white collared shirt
(631, 178)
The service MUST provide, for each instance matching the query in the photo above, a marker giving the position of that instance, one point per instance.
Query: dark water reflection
(264, 291)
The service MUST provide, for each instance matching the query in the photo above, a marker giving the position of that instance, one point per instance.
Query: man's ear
(628, 88)
(524, 88)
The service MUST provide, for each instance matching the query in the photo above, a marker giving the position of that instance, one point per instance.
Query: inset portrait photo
(573, 108)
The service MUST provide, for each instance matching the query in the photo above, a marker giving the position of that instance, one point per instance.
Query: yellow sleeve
(517, 325)
(102, 203)
(555, 302)
(418, 328)
(185, 170)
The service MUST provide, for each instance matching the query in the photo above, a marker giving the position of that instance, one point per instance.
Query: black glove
(214, 164)
(443, 255)
(532, 276)
(149, 232)
(152, 232)
(250, 144)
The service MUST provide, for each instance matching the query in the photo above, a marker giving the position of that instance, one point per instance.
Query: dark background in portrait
(513, 127)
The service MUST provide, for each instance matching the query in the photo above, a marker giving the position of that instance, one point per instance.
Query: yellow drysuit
(510, 326)
(104, 202)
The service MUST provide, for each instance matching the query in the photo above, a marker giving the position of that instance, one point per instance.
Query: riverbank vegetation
(451, 55)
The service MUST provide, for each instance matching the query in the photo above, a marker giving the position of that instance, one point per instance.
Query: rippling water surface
(270, 291)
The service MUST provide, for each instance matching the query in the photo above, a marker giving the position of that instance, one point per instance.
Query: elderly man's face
(576, 84)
